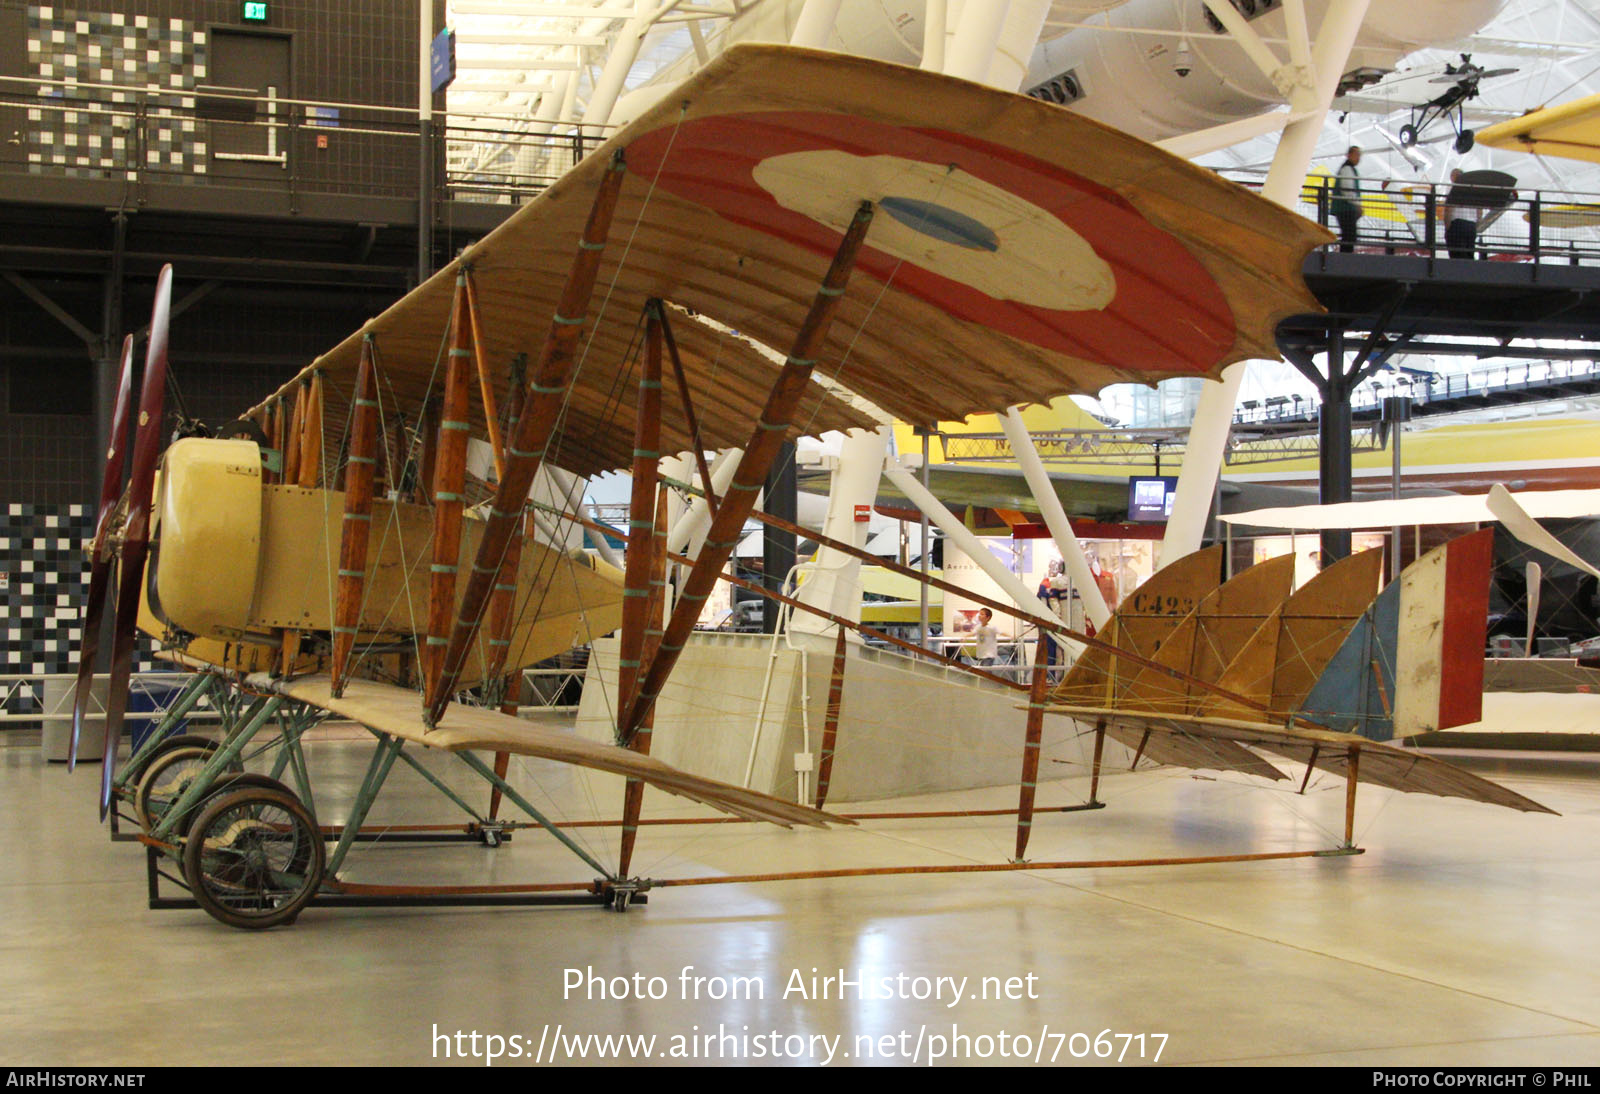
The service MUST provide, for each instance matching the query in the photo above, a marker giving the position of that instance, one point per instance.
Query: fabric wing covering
(1306, 662)
(1019, 252)
(394, 710)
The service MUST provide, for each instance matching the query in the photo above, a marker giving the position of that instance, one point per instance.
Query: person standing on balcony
(1461, 223)
(1346, 204)
(1347, 198)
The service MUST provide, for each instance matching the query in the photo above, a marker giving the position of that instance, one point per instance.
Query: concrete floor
(1465, 935)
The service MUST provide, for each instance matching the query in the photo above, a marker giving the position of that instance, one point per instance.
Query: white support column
(1018, 37)
(815, 24)
(689, 532)
(1055, 518)
(618, 63)
(933, 32)
(958, 533)
(573, 490)
(569, 93)
(835, 584)
(1213, 418)
(971, 47)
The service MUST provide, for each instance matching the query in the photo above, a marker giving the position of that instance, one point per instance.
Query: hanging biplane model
(934, 246)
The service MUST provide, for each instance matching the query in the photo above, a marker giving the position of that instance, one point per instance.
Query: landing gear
(167, 777)
(1464, 141)
(254, 857)
(1408, 136)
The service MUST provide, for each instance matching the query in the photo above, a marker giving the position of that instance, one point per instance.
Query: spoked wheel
(131, 775)
(254, 858)
(165, 780)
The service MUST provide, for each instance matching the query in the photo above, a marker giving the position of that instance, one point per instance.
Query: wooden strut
(1352, 769)
(995, 605)
(645, 517)
(491, 414)
(1311, 766)
(999, 867)
(1099, 752)
(545, 396)
(274, 432)
(1028, 784)
(304, 445)
(291, 437)
(502, 605)
(633, 791)
(689, 417)
(766, 441)
(449, 502)
(830, 727)
(360, 468)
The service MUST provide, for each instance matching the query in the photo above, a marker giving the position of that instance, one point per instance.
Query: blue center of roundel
(942, 223)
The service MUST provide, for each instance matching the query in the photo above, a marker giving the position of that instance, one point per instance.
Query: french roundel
(986, 233)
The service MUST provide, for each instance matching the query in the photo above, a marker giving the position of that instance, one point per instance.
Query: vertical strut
(1028, 786)
(641, 515)
(633, 792)
(491, 414)
(310, 467)
(830, 725)
(1352, 770)
(358, 487)
(546, 395)
(449, 504)
(759, 454)
(1099, 752)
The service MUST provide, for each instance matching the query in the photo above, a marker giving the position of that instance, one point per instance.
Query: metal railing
(1538, 379)
(1410, 218)
(223, 138)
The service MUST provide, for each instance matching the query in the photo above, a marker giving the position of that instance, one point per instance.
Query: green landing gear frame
(252, 854)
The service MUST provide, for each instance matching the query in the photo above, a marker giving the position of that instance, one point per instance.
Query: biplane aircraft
(935, 247)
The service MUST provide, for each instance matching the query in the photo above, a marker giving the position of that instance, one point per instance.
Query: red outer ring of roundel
(1168, 315)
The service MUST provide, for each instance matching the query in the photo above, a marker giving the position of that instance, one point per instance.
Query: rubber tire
(1408, 136)
(311, 866)
(1464, 141)
(156, 768)
(182, 740)
(229, 780)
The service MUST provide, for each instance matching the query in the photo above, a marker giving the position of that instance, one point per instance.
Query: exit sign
(255, 12)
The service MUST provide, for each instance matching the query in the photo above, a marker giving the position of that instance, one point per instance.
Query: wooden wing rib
(1144, 622)
(394, 710)
(1281, 662)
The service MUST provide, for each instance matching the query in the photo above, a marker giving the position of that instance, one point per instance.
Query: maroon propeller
(136, 527)
(100, 554)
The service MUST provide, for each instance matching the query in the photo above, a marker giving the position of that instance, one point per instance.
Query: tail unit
(1413, 662)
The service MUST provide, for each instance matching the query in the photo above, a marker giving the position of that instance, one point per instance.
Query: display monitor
(1150, 498)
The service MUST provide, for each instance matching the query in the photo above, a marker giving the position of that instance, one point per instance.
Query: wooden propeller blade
(100, 552)
(136, 531)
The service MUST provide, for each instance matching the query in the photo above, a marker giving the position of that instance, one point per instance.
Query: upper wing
(1020, 252)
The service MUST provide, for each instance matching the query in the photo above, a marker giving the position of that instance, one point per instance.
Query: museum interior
(824, 532)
